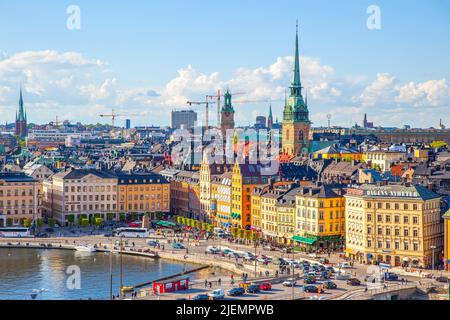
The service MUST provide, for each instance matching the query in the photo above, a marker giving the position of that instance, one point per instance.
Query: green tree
(26, 222)
(122, 217)
(9, 222)
(84, 222)
(51, 222)
(98, 222)
(439, 144)
(70, 218)
(109, 216)
(40, 223)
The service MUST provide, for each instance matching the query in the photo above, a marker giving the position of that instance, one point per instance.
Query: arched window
(300, 135)
(287, 134)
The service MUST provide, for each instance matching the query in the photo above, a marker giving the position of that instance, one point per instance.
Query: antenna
(329, 120)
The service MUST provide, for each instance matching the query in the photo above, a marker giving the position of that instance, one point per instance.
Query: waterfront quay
(257, 273)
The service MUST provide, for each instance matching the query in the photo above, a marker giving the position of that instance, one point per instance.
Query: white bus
(133, 232)
(15, 232)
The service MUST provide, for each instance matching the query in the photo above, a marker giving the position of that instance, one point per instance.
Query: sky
(145, 58)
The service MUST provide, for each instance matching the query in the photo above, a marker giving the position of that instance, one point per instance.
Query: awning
(166, 223)
(303, 240)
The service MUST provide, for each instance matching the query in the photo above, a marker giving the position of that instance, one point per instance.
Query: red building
(172, 285)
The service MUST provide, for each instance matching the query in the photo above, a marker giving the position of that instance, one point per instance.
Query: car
(311, 289)
(212, 250)
(201, 296)
(49, 230)
(353, 282)
(266, 286)
(253, 288)
(309, 280)
(330, 269)
(269, 248)
(217, 294)
(227, 251)
(177, 245)
(324, 260)
(152, 243)
(234, 292)
(289, 283)
(329, 285)
(344, 265)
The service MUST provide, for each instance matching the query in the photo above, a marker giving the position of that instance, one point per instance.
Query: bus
(133, 232)
(15, 232)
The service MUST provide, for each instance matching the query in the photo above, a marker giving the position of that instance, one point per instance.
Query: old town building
(394, 224)
(19, 199)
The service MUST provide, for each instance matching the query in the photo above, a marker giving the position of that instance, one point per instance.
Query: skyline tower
(227, 114)
(296, 123)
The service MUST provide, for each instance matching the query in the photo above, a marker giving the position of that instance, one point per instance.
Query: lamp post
(432, 257)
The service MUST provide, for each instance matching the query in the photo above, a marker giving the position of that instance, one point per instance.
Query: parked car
(153, 243)
(330, 269)
(329, 285)
(289, 283)
(201, 296)
(178, 246)
(236, 292)
(311, 289)
(269, 248)
(266, 286)
(217, 294)
(344, 265)
(253, 288)
(212, 250)
(309, 280)
(353, 282)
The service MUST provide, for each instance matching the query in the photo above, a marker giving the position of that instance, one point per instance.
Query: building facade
(320, 217)
(382, 159)
(143, 193)
(394, 224)
(185, 118)
(21, 120)
(19, 199)
(227, 115)
(80, 193)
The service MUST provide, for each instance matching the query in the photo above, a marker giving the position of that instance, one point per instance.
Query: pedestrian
(219, 281)
(210, 285)
(206, 283)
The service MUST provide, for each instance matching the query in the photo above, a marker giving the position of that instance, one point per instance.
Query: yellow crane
(114, 115)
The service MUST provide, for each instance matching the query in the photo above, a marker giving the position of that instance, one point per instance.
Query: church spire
(21, 116)
(296, 80)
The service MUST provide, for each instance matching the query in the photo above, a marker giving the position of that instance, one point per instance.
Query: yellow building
(19, 199)
(382, 159)
(447, 240)
(320, 217)
(143, 193)
(207, 171)
(256, 206)
(221, 193)
(338, 152)
(394, 224)
(286, 217)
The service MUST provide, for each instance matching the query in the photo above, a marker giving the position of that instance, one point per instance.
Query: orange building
(143, 193)
(19, 199)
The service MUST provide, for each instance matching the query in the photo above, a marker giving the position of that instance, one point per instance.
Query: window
(405, 219)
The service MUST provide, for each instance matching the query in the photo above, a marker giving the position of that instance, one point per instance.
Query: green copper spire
(21, 116)
(270, 111)
(296, 80)
(227, 106)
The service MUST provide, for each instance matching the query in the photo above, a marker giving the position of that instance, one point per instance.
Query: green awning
(303, 240)
(166, 223)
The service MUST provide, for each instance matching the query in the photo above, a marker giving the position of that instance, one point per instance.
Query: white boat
(85, 248)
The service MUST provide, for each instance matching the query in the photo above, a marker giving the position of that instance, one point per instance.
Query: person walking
(206, 283)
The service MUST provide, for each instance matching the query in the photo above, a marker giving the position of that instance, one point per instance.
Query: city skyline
(67, 73)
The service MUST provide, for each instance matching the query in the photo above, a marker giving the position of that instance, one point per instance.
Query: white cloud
(80, 88)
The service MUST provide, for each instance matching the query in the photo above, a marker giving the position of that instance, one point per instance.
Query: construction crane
(206, 103)
(114, 115)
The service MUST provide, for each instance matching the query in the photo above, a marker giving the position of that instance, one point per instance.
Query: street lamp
(432, 257)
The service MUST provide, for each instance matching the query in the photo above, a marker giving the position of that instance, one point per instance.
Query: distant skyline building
(185, 118)
(127, 124)
(21, 120)
(260, 122)
(366, 124)
(270, 119)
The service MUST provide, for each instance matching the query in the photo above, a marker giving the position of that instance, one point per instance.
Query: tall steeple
(21, 116)
(296, 83)
(270, 118)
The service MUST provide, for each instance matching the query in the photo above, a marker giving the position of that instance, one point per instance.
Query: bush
(51, 222)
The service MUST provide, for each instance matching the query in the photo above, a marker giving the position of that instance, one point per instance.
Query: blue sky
(150, 56)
